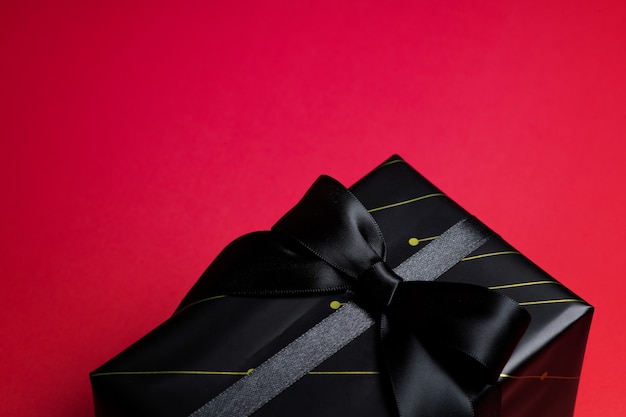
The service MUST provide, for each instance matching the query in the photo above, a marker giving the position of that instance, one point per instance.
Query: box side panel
(546, 385)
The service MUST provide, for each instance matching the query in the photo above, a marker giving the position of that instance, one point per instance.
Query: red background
(139, 138)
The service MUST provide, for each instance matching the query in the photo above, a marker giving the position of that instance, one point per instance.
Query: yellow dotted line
(224, 373)
(485, 255)
(173, 373)
(541, 377)
(395, 161)
(333, 304)
(344, 373)
(560, 300)
(521, 284)
(414, 241)
(215, 297)
(401, 203)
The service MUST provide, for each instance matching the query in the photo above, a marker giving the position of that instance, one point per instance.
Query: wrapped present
(387, 299)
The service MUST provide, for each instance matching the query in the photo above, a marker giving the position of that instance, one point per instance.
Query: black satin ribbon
(442, 343)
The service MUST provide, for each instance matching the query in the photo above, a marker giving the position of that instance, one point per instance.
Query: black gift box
(215, 339)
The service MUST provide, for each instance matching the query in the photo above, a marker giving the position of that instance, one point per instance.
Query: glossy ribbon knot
(442, 343)
(377, 286)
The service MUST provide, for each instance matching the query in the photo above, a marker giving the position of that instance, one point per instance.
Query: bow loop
(333, 224)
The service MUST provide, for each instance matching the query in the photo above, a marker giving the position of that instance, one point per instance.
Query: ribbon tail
(445, 343)
(471, 327)
(421, 387)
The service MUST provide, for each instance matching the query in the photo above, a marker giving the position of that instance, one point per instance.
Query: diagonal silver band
(294, 361)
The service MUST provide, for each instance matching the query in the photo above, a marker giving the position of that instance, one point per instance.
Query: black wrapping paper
(212, 340)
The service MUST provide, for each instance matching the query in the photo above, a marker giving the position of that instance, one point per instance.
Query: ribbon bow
(443, 343)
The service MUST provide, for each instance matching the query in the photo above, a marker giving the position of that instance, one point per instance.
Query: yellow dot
(414, 241)
(335, 305)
